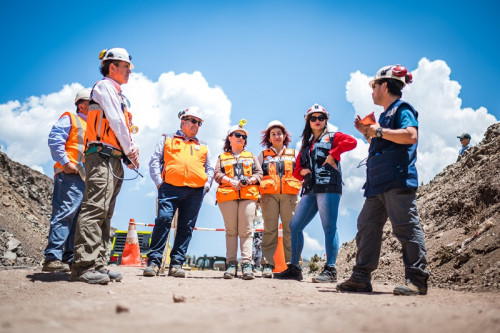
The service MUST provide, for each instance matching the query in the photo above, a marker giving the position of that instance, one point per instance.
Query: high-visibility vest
(184, 162)
(74, 144)
(225, 192)
(278, 173)
(98, 129)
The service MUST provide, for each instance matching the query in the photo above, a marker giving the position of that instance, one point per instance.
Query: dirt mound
(25, 209)
(460, 215)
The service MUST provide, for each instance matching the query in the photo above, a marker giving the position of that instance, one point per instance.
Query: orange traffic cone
(279, 254)
(131, 255)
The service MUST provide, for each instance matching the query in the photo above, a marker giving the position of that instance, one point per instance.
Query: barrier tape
(195, 228)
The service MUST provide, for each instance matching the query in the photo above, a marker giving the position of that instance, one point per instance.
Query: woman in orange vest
(279, 189)
(238, 172)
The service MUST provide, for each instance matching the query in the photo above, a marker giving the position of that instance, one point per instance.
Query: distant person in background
(319, 166)
(108, 140)
(279, 189)
(238, 172)
(465, 141)
(66, 147)
(390, 188)
(181, 170)
(257, 239)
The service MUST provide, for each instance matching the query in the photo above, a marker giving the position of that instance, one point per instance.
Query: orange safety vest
(98, 126)
(226, 192)
(278, 173)
(74, 144)
(184, 162)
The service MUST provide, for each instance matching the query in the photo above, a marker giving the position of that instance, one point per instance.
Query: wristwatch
(378, 132)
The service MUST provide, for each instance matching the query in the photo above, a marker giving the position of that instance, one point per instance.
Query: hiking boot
(91, 277)
(231, 270)
(247, 271)
(151, 270)
(113, 276)
(55, 266)
(354, 286)
(409, 289)
(176, 271)
(329, 274)
(293, 272)
(267, 272)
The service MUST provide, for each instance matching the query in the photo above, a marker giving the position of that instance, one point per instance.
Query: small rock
(179, 299)
(121, 308)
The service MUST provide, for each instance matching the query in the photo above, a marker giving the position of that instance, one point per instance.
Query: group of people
(180, 166)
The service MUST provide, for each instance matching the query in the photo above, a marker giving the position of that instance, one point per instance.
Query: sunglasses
(194, 121)
(320, 118)
(239, 135)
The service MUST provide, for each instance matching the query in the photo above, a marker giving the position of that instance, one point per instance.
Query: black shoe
(355, 287)
(410, 289)
(293, 272)
(329, 274)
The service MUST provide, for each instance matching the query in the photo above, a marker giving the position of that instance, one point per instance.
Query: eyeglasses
(239, 135)
(194, 121)
(320, 118)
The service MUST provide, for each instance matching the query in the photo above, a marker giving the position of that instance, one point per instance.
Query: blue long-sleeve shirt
(58, 136)
(156, 162)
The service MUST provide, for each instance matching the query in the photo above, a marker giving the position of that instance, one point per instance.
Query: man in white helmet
(390, 188)
(181, 170)
(66, 148)
(108, 140)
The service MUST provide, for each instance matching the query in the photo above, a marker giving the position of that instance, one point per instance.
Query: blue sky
(258, 60)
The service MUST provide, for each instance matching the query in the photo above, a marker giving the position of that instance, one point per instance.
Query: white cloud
(311, 244)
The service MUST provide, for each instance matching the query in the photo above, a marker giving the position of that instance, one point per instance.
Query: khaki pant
(238, 218)
(273, 206)
(93, 226)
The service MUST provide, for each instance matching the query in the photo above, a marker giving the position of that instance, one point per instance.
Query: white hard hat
(238, 128)
(396, 72)
(275, 123)
(83, 94)
(315, 109)
(116, 53)
(192, 111)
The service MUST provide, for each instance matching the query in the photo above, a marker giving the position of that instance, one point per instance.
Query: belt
(104, 150)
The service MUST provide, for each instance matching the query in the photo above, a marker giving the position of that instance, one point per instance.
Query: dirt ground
(34, 301)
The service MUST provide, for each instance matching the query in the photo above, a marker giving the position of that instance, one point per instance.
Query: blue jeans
(171, 198)
(66, 203)
(328, 205)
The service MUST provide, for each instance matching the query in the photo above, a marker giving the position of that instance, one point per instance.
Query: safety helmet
(315, 109)
(192, 111)
(275, 123)
(82, 94)
(396, 72)
(116, 53)
(238, 127)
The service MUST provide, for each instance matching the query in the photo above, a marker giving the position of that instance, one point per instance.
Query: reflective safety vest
(98, 126)
(74, 144)
(234, 169)
(184, 162)
(278, 173)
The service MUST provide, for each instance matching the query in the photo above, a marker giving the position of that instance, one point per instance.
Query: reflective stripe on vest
(74, 144)
(244, 166)
(184, 162)
(278, 173)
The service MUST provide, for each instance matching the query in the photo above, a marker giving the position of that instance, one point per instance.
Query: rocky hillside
(460, 215)
(25, 208)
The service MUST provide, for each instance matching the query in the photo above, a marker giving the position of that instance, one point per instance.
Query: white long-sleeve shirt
(106, 95)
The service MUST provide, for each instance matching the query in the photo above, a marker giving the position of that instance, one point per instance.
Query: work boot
(329, 274)
(91, 277)
(231, 270)
(409, 289)
(151, 270)
(247, 271)
(113, 276)
(267, 271)
(293, 272)
(55, 266)
(354, 286)
(176, 271)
